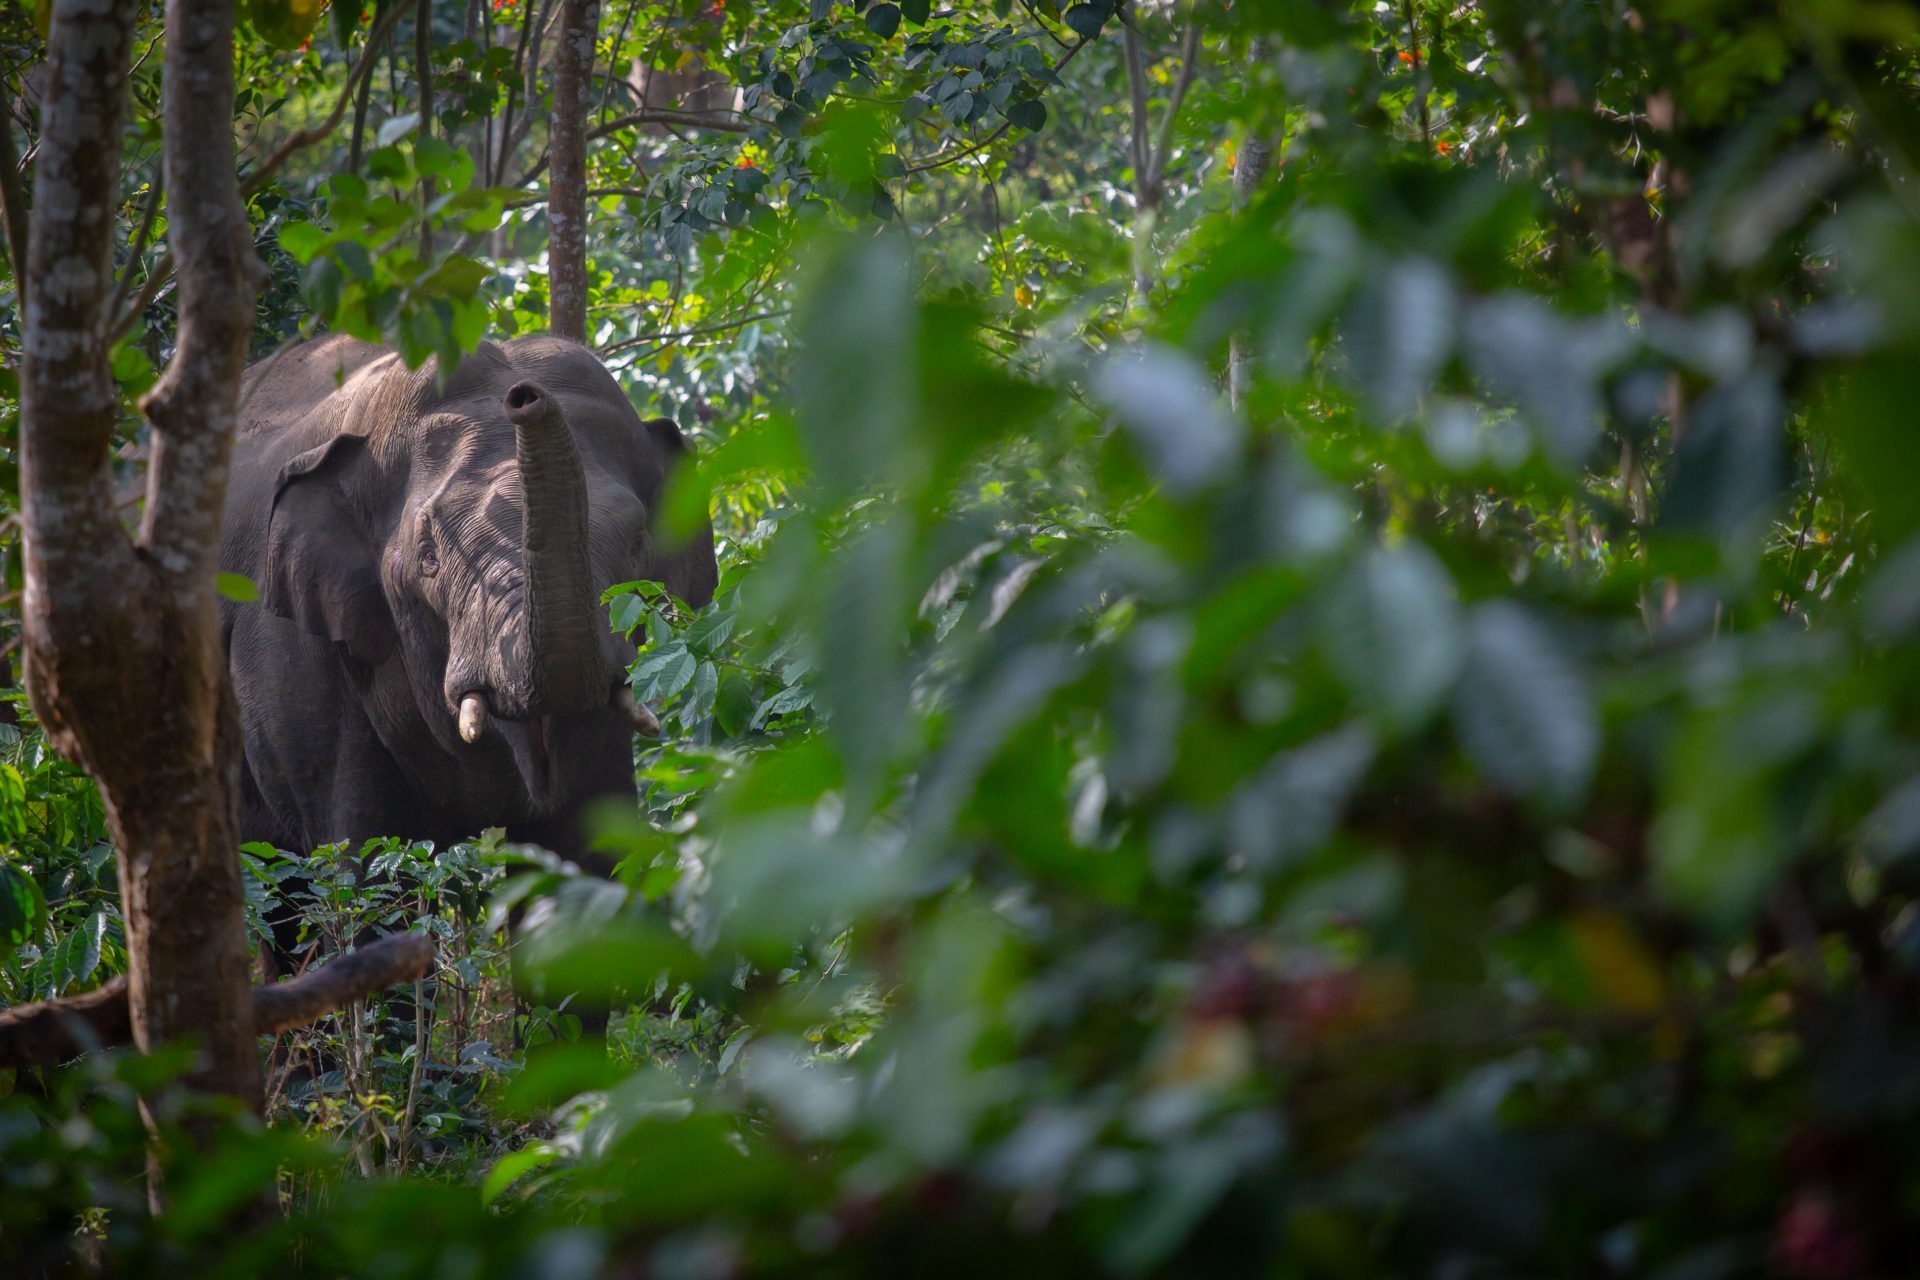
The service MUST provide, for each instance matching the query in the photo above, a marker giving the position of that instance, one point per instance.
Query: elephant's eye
(429, 557)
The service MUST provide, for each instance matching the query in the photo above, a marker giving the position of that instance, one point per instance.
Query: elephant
(427, 656)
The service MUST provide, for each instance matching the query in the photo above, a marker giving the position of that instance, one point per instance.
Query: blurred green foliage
(1449, 810)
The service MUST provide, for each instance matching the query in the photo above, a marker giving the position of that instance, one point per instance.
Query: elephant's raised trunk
(562, 658)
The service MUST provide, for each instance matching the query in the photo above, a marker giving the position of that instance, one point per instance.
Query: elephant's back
(287, 387)
(288, 403)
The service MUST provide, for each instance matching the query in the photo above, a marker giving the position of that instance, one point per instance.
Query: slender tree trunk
(13, 202)
(567, 185)
(423, 72)
(123, 656)
(1250, 167)
(359, 135)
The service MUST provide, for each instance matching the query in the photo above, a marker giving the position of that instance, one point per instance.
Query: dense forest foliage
(1316, 670)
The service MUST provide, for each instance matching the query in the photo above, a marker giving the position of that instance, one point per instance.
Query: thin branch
(606, 93)
(644, 339)
(1163, 142)
(163, 270)
(685, 119)
(1137, 90)
(1420, 77)
(532, 198)
(314, 133)
(50, 1032)
(530, 73)
(397, 958)
(941, 161)
(653, 115)
(499, 167)
(142, 59)
(139, 245)
(423, 72)
(1041, 23)
(13, 207)
(357, 139)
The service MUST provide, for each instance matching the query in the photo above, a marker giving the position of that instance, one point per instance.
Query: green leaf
(711, 630)
(675, 673)
(72, 960)
(1028, 113)
(346, 20)
(916, 11)
(398, 127)
(509, 1169)
(883, 20)
(1522, 708)
(324, 289)
(733, 704)
(700, 698)
(23, 908)
(302, 240)
(285, 24)
(237, 587)
(1392, 633)
(460, 276)
(1086, 20)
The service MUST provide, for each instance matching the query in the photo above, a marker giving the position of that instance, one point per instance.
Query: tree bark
(13, 204)
(123, 657)
(53, 1031)
(567, 194)
(1250, 167)
(423, 72)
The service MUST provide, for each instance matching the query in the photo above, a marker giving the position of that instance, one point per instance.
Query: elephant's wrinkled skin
(417, 546)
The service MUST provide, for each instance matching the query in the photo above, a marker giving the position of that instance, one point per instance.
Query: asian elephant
(428, 656)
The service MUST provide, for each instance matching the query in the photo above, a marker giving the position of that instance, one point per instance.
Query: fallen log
(52, 1031)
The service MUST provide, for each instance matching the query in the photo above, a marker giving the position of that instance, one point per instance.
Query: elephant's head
(455, 539)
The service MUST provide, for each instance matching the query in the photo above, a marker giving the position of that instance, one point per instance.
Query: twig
(941, 161)
(163, 270)
(1137, 90)
(420, 1026)
(652, 115)
(423, 72)
(139, 245)
(532, 198)
(642, 340)
(1420, 77)
(1041, 23)
(314, 133)
(142, 59)
(1163, 142)
(13, 206)
(51, 1031)
(499, 168)
(685, 119)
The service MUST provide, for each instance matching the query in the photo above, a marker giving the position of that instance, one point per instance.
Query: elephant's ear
(686, 565)
(323, 571)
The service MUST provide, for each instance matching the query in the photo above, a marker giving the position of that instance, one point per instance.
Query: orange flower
(1405, 56)
(1443, 147)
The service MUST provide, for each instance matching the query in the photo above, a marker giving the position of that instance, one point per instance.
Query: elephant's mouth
(476, 712)
(534, 740)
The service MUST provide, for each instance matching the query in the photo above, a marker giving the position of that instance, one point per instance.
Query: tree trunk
(423, 73)
(1250, 168)
(567, 185)
(123, 656)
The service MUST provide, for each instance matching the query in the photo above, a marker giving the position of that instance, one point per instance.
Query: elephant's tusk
(473, 717)
(645, 723)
